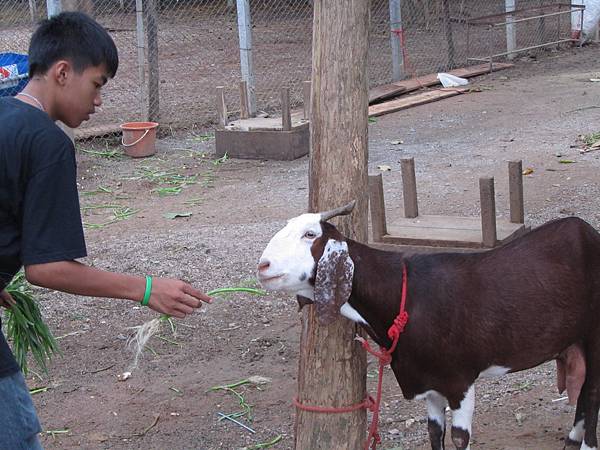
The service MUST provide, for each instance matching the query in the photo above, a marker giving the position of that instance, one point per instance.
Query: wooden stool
(286, 138)
(448, 231)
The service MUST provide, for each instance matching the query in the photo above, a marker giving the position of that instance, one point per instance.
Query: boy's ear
(61, 70)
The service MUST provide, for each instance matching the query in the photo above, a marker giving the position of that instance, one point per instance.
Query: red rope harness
(385, 357)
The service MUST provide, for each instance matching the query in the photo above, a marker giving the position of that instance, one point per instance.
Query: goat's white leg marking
(436, 407)
(576, 433)
(462, 418)
(436, 418)
(585, 447)
(348, 311)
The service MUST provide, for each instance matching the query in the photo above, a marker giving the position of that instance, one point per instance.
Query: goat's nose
(263, 264)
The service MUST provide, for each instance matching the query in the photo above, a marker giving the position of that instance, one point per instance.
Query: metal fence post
(139, 20)
(33, 10)
(397, 39)
(151, 15)
(245, 35)
(54, 7)
(511, 31)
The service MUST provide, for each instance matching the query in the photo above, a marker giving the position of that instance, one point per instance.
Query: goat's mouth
(266, 279)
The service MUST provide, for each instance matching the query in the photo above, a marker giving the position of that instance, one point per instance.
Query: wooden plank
(221, 107)
(409, 188)
(446, 231)
(515, 189)
(306, 86)
(286, 115)
(386, 91)
(97, 131)
(413, 100)
(377, 204)
(488, 211)
(244, 106)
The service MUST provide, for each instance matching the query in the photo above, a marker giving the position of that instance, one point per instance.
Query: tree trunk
(332, 365)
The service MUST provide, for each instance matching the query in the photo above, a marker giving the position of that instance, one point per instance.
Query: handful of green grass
(25, 327)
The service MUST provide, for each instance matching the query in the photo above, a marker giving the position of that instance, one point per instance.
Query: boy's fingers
(196, 293)
(6, 299)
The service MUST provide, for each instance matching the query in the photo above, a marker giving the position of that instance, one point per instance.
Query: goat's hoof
(571, 444)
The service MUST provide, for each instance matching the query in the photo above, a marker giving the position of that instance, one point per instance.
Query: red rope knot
(397, 327)
(385, 358)
(370, 404)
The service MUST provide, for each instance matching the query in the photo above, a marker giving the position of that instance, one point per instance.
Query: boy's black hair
(75, 37)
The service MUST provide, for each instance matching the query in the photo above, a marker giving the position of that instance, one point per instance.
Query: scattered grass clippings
(119, 213)
(267, 444)
(108, 153)
(99, 190)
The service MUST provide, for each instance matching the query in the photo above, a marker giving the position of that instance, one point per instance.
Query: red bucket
(139, 138)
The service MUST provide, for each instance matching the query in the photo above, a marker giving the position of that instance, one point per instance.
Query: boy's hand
(6, 299)
(175, 297)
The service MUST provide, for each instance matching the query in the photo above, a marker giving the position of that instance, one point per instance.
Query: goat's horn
(341, 211)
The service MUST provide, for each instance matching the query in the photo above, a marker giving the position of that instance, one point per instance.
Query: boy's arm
(169, 296)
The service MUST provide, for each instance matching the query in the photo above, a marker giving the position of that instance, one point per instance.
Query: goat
(508, 309)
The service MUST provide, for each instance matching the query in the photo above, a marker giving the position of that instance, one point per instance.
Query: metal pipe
(141, 55)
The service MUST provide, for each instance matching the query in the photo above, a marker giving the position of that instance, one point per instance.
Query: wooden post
(245, 37)
(244, 111)
(511, 31)
(515, 189)
(488, 211)
(377, 207)
(409, 188)
(151, 18)
(221, 107)
(286, 114)
(449, 37)
(396, 32)
(306, 85)
(332, 369)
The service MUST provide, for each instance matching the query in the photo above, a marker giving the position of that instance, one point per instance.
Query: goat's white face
(287, 263)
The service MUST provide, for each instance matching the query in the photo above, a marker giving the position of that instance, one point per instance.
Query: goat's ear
(333, 281)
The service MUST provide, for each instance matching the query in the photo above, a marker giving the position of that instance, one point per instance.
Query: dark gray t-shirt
(40, 220)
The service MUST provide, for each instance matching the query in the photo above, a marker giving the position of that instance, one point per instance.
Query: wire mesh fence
(174, 53)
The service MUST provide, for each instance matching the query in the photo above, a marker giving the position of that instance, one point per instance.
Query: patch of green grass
(591, 139)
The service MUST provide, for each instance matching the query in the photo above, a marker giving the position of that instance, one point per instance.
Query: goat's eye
(310, 235)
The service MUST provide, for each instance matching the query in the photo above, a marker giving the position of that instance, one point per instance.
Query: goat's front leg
(436, 419)
(462, 419)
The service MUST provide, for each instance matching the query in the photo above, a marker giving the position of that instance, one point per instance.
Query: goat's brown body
(516, 306)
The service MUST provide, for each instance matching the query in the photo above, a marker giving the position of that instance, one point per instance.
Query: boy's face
(80, 94)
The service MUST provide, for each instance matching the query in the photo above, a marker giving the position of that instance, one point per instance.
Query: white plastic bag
(591, 17)
(449, 80)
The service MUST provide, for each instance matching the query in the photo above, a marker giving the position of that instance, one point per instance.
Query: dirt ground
(532, 112)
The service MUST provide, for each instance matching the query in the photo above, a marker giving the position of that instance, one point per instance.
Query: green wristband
(148, 292)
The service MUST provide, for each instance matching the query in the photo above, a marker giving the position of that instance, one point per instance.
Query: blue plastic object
(14, 68)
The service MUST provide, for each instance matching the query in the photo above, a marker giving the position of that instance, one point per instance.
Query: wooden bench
(438, 231)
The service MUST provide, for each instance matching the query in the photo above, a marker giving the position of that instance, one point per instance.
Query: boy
(71, 57)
